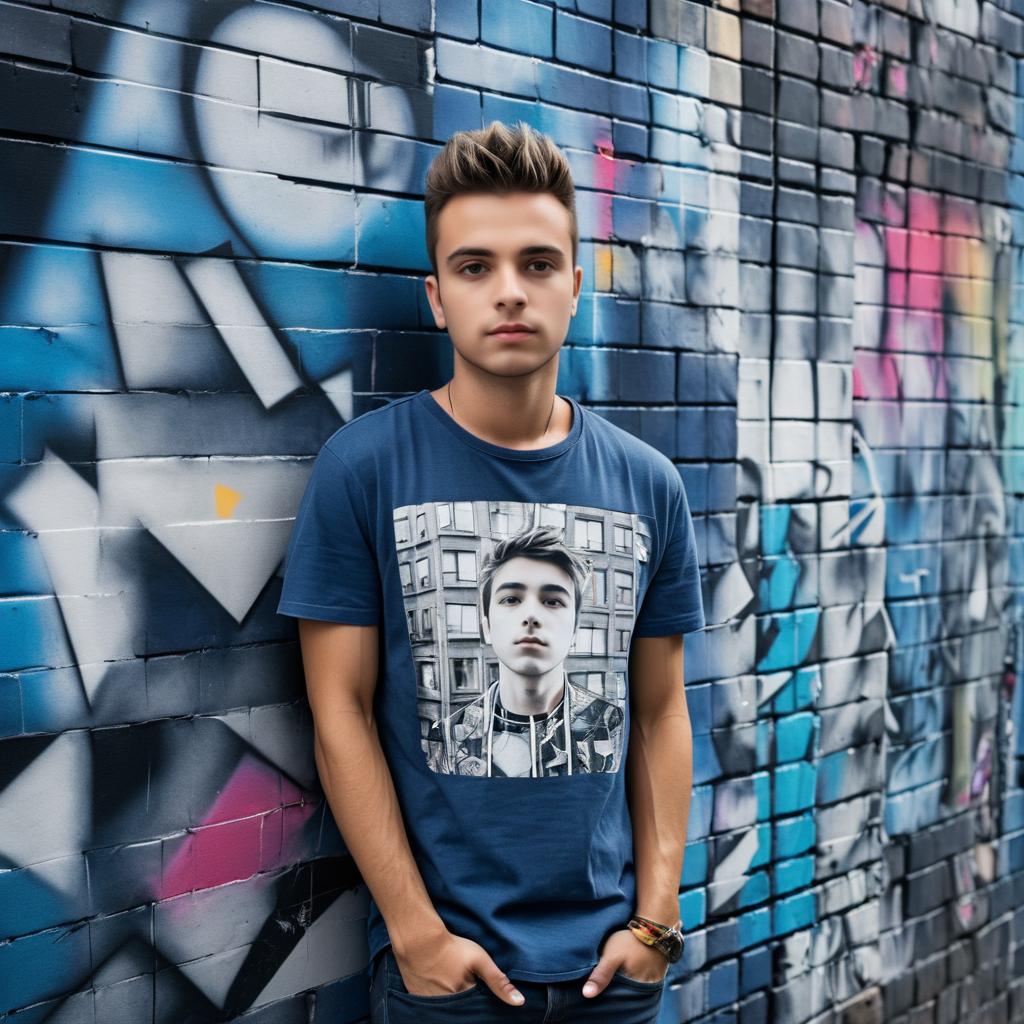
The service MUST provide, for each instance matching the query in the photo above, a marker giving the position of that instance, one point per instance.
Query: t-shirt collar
(426, 400)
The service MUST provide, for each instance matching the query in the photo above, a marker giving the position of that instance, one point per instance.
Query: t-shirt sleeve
(673, 602)
(330, 570)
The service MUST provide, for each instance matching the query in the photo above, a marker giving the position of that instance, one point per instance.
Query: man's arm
(340, 663)
(659, 772)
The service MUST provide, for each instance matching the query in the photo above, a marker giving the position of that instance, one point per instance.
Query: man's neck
(537, 702)
(501, 419)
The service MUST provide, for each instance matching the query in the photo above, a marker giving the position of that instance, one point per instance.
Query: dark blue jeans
(623, 1001)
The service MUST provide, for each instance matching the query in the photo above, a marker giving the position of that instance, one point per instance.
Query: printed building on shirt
(443, 608)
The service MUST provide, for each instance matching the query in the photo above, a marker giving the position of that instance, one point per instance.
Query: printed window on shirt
(464, 673)
(593, 681)
(589, 534)
(642, 540)
(455, 515)
(402, 530)
(421, 526)
(553, 515)
(624, 635)
(462, 619)
(427, 623)
(623, 539)
(528, 594)
(624, 588)
(405, 574)
(458, 567)
(428, 676)
(509, 518)
(423, 571)
(590, 640)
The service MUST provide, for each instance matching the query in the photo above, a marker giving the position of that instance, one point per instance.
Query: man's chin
(527, 667)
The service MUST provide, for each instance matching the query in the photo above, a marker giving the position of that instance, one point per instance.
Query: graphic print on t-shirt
(520, 616)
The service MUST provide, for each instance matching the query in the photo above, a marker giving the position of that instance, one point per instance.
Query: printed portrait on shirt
(520, 616)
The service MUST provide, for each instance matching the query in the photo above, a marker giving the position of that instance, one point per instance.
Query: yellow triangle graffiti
(225, 499)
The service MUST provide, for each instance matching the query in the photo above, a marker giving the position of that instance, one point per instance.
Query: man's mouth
(512, 328)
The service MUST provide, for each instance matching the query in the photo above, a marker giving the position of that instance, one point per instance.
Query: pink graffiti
(898, 79)
(865, 59)
(922, 243)
(604, 187)
(982, 765)
(252, 826)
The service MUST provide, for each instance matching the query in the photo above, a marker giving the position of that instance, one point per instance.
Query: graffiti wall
(801, 229)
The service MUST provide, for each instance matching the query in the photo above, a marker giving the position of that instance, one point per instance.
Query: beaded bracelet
(648, 931)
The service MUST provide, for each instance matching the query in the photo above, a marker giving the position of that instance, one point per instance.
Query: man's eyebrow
(522, 586)
(529, 250)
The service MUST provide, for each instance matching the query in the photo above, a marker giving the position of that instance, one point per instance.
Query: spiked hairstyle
(498, 159)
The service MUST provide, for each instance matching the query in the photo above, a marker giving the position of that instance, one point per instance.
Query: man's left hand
(624, 952)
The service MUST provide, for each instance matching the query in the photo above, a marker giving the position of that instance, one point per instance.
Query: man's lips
(502, 332)
(531, 642)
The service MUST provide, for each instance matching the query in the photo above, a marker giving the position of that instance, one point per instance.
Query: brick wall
(801, 228)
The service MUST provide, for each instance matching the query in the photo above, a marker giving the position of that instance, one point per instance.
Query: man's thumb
(599, 977)
(500, 983)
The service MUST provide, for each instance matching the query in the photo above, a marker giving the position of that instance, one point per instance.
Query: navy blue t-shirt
(507, 586)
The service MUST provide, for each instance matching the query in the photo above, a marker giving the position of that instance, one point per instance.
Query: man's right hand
(450, 963)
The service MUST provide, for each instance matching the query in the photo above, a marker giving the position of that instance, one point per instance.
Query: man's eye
(544, 264)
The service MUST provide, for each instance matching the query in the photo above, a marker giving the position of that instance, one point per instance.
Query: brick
(723, 31)
(723, 984)
(927, 888)
(758, 42)
(518, 25)
(36, 34)
(797, 101)
(43, 965)
(799, 14)
(583, 42)
(456, 18)
(929, 978)
(796, 55)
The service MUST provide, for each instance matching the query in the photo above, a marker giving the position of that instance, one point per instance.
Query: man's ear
(434, 298)
(577, 284)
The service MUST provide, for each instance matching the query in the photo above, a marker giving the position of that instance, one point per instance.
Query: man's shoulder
(639, 454)
(359, 442)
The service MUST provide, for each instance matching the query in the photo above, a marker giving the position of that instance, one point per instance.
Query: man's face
(505, 259)
(531, 598)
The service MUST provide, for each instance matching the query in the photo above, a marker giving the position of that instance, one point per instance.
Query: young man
(546, 877)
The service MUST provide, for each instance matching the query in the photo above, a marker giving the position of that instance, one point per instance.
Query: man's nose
(510, 288)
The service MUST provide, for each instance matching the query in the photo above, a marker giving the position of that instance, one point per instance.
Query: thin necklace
(546, 425)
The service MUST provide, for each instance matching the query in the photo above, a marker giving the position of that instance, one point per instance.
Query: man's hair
(498, 159)
(544, 544)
